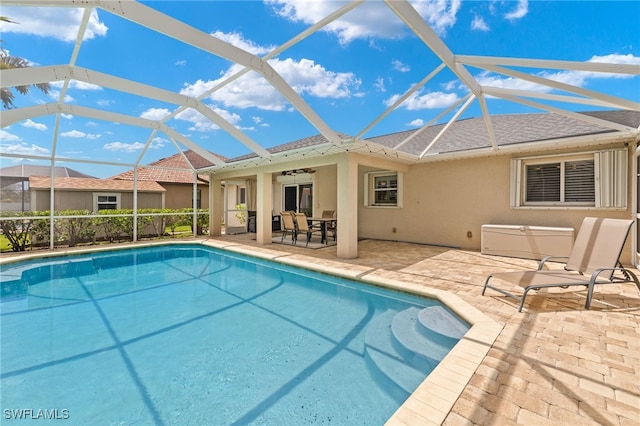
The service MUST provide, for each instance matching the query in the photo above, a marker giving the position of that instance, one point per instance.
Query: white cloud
(379, 85)
(124, 147)
(259, 121)
(478, 23)
(202, 124)
(399, 66)
(574, 78)
(519, 12)
(181, 63)
(418, 122)
(33, 125)
(55, 94)
(305, 76)
(252, 90)
(67, 116)
(155, 113)
(370, 19)
(80, 135)
(493, 80)
(158, 142)
(237, 40)
(105, 102)
(77, 84)
(431, 100)
(58, 22)
(23, 148)
(439, 14)
(8, 137)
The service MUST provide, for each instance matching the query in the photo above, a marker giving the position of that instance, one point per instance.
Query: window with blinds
(597, 179)
(383, 189)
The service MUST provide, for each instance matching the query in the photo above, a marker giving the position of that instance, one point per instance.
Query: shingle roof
(84, 184)
(176, 161)
(26, 170)
(509, 129)
(292, 146)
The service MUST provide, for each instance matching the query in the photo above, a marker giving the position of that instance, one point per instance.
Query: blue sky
(349, 72)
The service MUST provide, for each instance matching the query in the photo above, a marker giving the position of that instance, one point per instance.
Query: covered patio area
(555, 363)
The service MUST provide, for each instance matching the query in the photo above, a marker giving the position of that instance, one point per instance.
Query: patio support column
(264, 208)
(347, 206)
(215, 207)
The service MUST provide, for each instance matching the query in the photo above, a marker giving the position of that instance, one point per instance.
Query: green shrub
(74, 230)
(17, 230)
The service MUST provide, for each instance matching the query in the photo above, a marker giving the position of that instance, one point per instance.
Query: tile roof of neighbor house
(84, 184)
(26, 170)
(176, 161)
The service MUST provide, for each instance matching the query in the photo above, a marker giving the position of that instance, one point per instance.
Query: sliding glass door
(299, 198)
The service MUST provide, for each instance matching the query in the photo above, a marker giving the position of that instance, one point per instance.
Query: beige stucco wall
(83, 200)
(445, 200)
(180, 196)
(324, 189)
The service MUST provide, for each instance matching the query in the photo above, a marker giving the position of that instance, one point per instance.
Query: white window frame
(370, 190)
(610, 176)
(97, 195)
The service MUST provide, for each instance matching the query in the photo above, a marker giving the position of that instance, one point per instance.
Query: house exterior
(540, 169)
(14, 183)
(175, 176)
(93, 194)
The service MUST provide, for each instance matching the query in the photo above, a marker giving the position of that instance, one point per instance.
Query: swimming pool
(190, 335)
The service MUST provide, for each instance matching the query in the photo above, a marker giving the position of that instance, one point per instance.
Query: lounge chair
(594, 259)
(288, 226)
(302, 226)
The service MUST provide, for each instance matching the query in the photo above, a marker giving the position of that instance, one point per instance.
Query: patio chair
(594, 259)
(288, 226)
(330, 226)
(303, 226)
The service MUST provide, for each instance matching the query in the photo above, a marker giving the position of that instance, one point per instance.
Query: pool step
(397, 376)
(439, 320)
(406, 330)
(404, 347)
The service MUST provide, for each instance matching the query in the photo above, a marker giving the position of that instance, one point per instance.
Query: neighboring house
(175, 175)
(177, 178)
(14, 183)
(93, 194)
(441, 187)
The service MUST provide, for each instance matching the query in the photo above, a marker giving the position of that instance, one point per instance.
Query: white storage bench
(527, 242)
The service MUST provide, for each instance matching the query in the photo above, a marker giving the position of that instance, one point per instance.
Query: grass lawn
(4, 243)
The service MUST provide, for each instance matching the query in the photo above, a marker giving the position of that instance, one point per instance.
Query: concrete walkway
(554, 363)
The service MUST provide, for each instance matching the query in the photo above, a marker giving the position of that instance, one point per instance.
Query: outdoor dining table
(323, 226)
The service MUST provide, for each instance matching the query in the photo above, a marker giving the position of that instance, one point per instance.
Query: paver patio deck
(554, 363)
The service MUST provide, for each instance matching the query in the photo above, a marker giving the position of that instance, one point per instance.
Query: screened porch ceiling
(559, 98)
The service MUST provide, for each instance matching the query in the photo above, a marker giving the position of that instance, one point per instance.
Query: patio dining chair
(594, 259)
(302, 226)
(288, 226)
(330, 226)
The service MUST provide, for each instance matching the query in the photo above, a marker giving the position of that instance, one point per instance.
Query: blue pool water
(194, 335)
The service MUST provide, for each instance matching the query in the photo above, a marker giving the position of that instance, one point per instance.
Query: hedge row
(33, 228)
